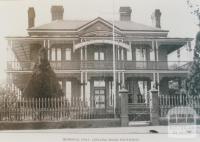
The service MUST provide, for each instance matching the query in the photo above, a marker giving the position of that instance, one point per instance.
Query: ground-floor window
(99, 83)
(174, 86)
(110, 83)
(87, 93)
(68, 90)
(142, 91)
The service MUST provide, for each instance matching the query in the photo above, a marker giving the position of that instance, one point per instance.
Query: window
(111, 93)
(129, 54)
(152, 55)
(140, 54)
(60, 82)
(122, 54)
(87, 93)
(53, 54)
(141, 58)
(68, 90)
(96, 56)
(100, 83)
(68, 54)
(118, 53)
(58, 54)
(173, 84)
(99, 56)
(142, 86)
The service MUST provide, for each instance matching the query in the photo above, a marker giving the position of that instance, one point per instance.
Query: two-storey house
(88, 55)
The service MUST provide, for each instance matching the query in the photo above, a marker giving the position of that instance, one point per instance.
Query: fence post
(154, 107)
(124, 107)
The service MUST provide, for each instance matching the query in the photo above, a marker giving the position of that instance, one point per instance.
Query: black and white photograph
(99, 70)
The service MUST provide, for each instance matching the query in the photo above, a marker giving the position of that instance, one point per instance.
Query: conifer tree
(43, 82)
(193, 81)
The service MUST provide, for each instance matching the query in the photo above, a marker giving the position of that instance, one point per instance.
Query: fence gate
(138, 112)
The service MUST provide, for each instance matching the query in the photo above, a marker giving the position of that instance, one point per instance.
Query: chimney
(125, 13)
(156, 18)
(31, 17)
(57, 12)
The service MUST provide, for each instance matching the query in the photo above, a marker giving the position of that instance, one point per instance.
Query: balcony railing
(65, 65)
(103, 65)
(156, 65)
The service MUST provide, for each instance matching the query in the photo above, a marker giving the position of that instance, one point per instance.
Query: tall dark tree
(43, 82)
(193, 81)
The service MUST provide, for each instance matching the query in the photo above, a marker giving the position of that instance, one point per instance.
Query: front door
(99, 101)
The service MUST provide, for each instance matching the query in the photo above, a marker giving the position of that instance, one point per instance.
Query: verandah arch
(82, 44)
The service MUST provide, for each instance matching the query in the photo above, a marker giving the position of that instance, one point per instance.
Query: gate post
(154, 107)
(124, 107)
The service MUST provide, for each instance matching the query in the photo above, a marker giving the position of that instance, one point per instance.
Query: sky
(175, 17)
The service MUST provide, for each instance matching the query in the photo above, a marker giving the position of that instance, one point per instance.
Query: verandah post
(124, 107)
(154, 107)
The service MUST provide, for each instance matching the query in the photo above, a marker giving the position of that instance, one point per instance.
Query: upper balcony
(24, 66)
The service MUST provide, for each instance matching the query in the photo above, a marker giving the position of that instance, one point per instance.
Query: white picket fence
(167, 102)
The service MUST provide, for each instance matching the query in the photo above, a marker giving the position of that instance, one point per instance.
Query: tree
(8, 101)
(6, 94)
(194, 6)
(193, 81)
(43, 82)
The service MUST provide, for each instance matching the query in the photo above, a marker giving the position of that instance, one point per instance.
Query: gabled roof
(81, 24)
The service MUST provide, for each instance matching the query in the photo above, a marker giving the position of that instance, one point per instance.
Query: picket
(167, 102)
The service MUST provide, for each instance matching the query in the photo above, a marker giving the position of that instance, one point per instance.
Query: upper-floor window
(59, 54)
(141, 54)
(60, 83)
(101, 57)
(98, 55)
(53, 54)
(122, 54)
(152, 55)
(129, 54)
(68, 54)
(56, 54)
